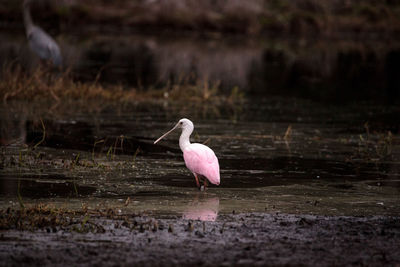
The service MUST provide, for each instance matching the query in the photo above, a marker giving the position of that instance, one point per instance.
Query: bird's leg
(197, 180)
(205, 184)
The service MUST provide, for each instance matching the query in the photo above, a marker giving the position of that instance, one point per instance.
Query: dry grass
(44, 85)
(374, 147)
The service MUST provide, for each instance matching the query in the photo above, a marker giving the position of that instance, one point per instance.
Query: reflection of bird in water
(39, 41)
(203, 210)
(199, 159)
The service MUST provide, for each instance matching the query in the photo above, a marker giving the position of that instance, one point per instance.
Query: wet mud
(245, 239)
(303, 182)
(298, 187)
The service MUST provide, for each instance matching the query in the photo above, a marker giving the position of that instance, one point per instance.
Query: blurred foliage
(253, 17)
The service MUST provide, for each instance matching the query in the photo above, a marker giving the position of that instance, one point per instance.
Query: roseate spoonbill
(202, 209)
(199, 159)
(39, 41)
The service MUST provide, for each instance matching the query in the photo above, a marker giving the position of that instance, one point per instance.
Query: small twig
(21, 203)
(43, 136)
(208, 140)
(134, 156)
(288, 133)
(94, 146)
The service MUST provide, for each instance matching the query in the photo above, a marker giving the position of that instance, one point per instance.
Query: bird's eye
(180, 123)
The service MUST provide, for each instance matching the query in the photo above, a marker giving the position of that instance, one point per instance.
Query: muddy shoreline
(237, 239)
(297, 189)
(296, 98)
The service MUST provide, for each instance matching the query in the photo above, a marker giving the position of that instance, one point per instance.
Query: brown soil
(243, 239)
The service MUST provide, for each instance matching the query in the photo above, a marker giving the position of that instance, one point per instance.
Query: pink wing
(201, 159)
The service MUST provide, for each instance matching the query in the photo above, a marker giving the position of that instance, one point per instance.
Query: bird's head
(184, 123)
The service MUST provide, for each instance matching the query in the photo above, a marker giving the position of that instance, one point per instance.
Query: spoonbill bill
(199, 159)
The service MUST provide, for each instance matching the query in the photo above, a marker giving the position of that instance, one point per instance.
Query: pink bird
(199, 159)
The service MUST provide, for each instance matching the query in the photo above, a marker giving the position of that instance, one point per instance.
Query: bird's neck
(184, 140)
(27, 18)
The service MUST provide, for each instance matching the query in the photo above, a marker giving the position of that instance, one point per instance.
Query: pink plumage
(200, 159)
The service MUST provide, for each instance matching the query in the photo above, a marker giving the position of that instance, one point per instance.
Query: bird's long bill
(167, 133)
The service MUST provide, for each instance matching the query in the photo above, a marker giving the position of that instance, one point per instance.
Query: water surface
(276, 155)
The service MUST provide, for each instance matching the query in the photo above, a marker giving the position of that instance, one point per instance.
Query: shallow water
(328, 163)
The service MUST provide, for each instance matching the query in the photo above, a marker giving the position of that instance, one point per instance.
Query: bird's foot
(203, 188)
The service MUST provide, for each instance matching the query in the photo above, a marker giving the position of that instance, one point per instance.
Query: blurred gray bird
(39, 41)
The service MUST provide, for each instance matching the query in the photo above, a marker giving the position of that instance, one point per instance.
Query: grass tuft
(57, 90)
